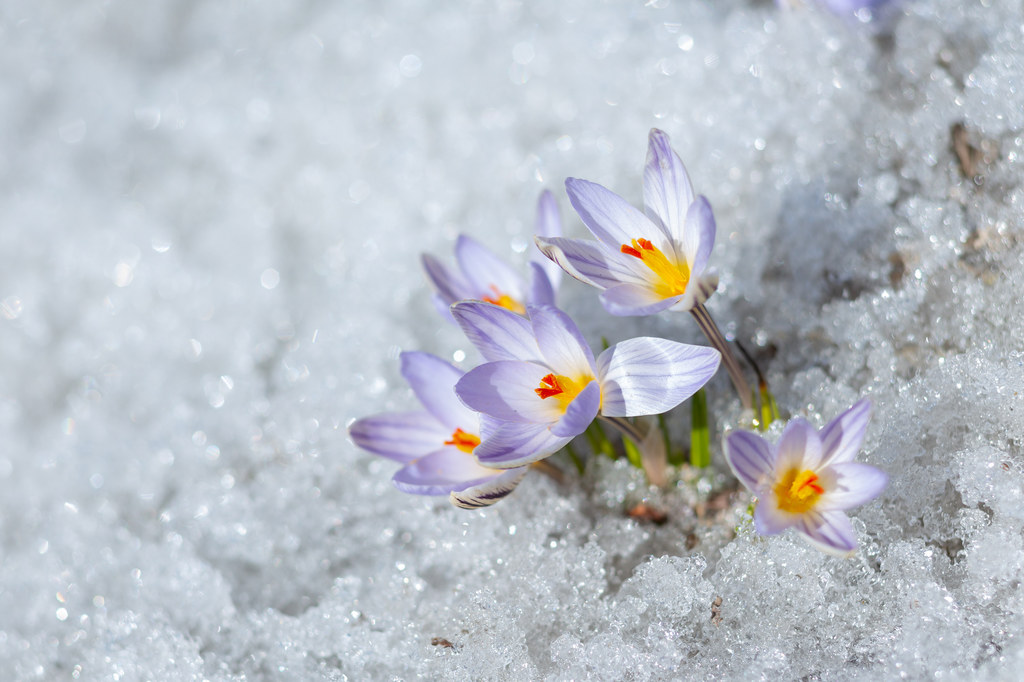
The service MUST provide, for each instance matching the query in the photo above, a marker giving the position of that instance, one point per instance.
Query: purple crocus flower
(808, 478)
(483, 276)
(436, 444)
(543, 386)
(647, 261)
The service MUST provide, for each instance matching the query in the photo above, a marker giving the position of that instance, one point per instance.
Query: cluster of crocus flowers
(540, 384)
(808, 478)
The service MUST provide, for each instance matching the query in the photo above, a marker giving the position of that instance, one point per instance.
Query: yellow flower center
(463, 441)
(673, 277)
(559, 387)
(798, 491)
(505, 301)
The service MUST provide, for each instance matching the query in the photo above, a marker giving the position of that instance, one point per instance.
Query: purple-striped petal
(769, 519)
(498, 333)
(506, 390)
(401, 436)
(579, 413)
(547, 224)
(561, 343)
(698, 235)
(486, 273)
(442, 308)
(593, 263)
(799, 447)
(625, 300)
(842, 437)
(433, 381)
(850, 484)
(449, 285)
(441, 472)
(751, 459)
(514, 445)
(542, 291)
(608, 216)
(487, 493)
(667, 189)
(829, 531)
(650, 376)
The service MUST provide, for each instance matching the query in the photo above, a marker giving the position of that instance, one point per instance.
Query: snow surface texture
(211, 220)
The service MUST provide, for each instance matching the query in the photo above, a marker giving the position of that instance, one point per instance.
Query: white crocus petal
(769, 519)
(487, 493)
(498, 334)
(440, 472)
(799, 447)
(649, 375)
(490, 275)
(626, 300)
(698, 235)
(850, 484)
(829, 531)
(507, 390)
(751, 459)
(592, 263)
(401, 436)
(608, 216)
(667, 188)
(548, 224)
(450, 286)
(579, 413)
(842, 437)
(564, 349)
(515, 445)
(542, 290)
(433, 381)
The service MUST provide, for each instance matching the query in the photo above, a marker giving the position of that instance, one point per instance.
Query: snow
(211, 222)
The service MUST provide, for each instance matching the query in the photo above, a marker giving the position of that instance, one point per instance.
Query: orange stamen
(672, 277)
(798, 491)
(549, 386)
(463, 441)
(505, 301)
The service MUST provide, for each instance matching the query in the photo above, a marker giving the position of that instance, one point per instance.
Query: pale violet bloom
(542, 385)
(808, 478)
(646, 261)
(436, 444)
(483, 276)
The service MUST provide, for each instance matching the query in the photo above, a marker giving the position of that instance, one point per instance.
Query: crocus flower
(543, 386)
(435, 444)
(649, 261)
(483, 276)
(808, 478)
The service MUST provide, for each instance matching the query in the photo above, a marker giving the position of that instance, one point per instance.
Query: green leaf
(700, 436)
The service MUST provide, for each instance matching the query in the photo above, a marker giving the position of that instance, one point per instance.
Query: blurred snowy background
(210, 221)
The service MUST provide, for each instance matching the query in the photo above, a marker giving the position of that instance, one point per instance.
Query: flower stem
(626, 428)
(651, 448)
(710, 329)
